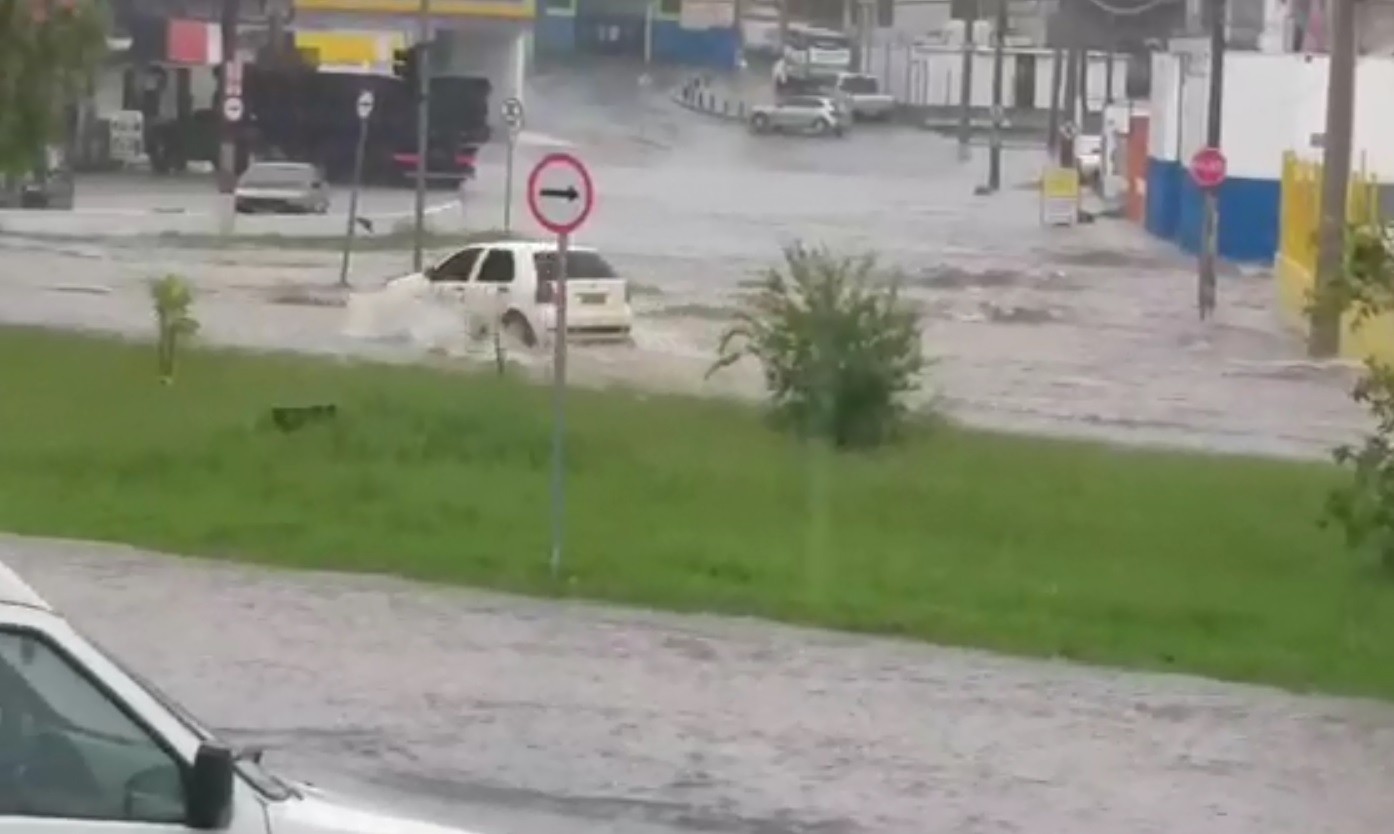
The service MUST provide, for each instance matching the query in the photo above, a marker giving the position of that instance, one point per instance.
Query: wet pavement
(544, 717)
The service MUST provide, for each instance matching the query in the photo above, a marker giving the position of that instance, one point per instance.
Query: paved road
(523, 714)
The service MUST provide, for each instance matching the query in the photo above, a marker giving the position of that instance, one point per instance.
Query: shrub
(838, 346)
(174, 319)
(1364, 508)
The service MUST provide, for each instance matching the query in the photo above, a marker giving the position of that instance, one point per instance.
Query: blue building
(696, 33)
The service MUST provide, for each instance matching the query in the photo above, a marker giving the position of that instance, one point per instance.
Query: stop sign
(1208, 167)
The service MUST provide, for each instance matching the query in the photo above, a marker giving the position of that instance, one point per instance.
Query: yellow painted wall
(1296, 264)
(343, 48)
(498, 9)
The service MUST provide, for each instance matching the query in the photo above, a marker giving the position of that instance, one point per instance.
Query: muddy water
(465, 703)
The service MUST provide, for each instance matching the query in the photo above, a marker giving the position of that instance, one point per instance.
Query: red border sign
(534, 187)
(1209, 167)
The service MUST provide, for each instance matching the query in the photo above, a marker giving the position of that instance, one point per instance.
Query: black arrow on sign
(569, 193)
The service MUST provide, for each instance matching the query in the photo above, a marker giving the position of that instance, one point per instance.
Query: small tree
(838, 346)
(47, 50)
(1364, 508)
(174, 320)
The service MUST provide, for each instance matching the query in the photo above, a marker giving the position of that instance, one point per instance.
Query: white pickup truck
(89, 747)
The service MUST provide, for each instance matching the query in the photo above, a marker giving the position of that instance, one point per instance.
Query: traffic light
(404, 64)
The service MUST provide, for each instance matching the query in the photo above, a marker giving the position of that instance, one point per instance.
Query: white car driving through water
(89, 747)
(512, 285)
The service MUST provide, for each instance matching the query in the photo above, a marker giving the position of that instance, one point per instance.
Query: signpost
(364, 108)
(560, 197)
(513, 118)
(1209, 168)
(1208, 171)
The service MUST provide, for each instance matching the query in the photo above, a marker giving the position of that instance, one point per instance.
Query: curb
(702, 99)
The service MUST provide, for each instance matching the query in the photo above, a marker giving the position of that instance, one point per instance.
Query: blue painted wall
(1249, 211)
(555, 32)
(716, 49)
(1163, 198)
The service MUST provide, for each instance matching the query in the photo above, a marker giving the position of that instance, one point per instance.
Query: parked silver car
(802, 114)
(282, 188)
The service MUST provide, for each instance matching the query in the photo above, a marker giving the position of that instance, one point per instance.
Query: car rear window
(583, 265)
(277, 176)
(859, 84)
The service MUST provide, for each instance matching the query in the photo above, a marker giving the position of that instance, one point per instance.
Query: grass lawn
(1212, 565)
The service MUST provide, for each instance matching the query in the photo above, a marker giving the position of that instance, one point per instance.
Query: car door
(492, 287)
(450, 279)
(73, 758)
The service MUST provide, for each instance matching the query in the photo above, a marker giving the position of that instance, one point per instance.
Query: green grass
(1212, 565)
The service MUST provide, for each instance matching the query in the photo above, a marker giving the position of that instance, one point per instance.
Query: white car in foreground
(512, 284)
(88, 747)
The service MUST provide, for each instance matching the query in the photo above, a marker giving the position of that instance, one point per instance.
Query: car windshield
(859, 84)
(278, 176)
(266, 783)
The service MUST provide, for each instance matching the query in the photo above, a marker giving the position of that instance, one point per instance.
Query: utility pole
(227, 156)
(1057, 58)
(965, 90)
(1071, 104)
(1210, 240)
(1324, 337)
(423, 126)
(994, 159)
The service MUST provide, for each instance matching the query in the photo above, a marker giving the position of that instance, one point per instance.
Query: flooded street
(470, 705)
(1089, 331)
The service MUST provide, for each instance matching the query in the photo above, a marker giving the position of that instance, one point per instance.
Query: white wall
(497, 55)
(1273, 103)
(932, 76)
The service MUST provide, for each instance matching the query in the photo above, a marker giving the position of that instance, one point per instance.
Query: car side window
(458, 266)
(68, 750)
(497, 268)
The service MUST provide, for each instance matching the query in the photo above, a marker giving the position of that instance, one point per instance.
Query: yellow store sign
(498, 9)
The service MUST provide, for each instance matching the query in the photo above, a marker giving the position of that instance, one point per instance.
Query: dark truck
(300, 113)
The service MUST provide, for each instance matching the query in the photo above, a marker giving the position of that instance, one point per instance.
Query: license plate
(592, 298)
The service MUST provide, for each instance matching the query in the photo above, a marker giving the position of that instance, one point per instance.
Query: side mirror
(208, 790)
(429, 271)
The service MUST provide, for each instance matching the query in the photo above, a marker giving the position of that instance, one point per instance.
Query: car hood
(317, 811)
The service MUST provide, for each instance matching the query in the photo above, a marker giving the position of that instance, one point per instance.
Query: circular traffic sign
(560, 193)
(1209, 167)
(512, 109)
(232, 109)
(365, 104)
(1068, 130)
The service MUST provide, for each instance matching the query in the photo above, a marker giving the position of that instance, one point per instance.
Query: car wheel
(822, 126)
(760, 123)
(517, 329)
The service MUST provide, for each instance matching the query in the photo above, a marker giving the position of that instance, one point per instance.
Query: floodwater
(525, 714)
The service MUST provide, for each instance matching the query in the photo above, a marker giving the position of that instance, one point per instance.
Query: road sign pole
(1205, 279)
(560, 195)
(508, 186)
(559, 409)
(423, 126)
(353, 198)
